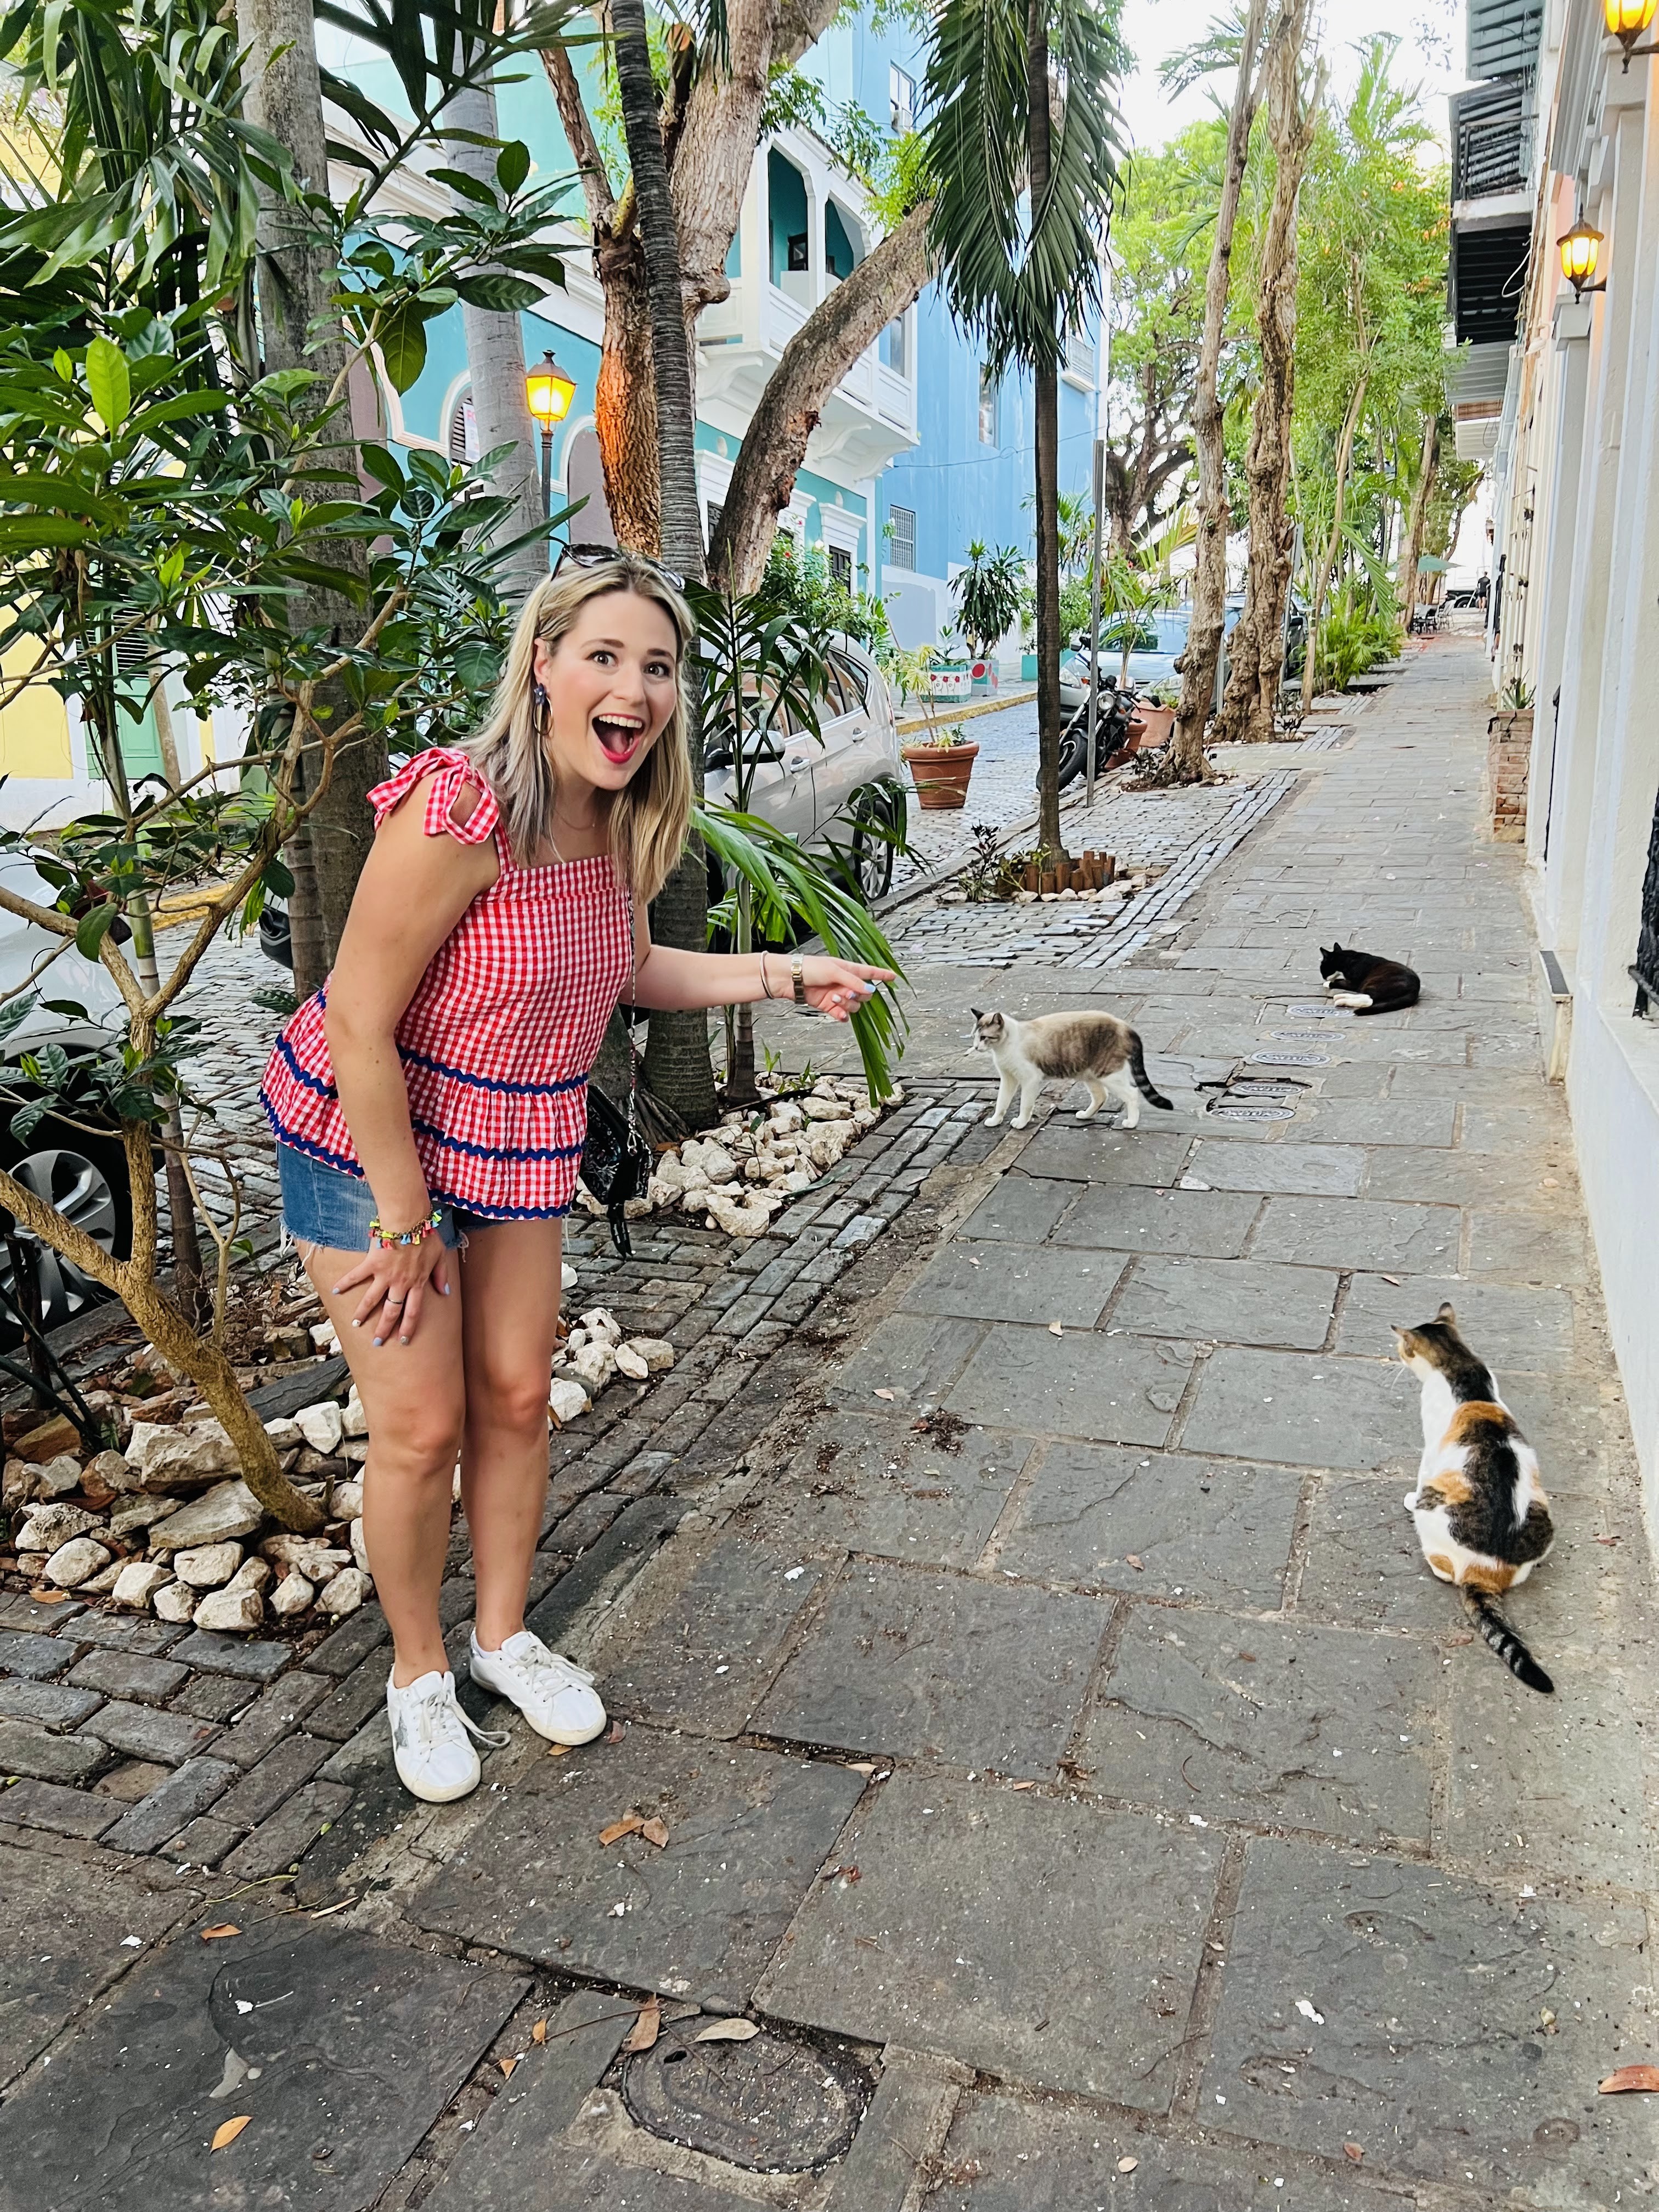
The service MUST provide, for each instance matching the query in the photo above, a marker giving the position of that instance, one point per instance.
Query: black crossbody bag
(615, 1163)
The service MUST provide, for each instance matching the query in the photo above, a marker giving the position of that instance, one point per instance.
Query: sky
(1431, 32)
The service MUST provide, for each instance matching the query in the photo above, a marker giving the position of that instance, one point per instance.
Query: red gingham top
(501, 1033)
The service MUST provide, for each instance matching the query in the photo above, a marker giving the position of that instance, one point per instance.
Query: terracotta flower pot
(1151, 727)
(940, 772)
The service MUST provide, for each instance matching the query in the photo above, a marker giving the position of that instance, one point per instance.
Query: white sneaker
(429, 1738)
(557, 1699)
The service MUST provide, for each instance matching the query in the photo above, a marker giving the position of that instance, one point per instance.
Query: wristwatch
(798, 977)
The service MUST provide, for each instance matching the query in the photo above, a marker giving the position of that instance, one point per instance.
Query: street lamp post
(550, 392)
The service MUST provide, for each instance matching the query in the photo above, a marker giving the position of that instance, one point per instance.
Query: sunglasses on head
(601, 556)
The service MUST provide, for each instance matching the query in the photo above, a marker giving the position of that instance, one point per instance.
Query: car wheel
(871, 853)
(85, 1180)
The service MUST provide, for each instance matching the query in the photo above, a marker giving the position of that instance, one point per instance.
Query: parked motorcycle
(1118, 703)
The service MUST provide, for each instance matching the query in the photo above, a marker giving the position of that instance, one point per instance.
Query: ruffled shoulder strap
(446, 774)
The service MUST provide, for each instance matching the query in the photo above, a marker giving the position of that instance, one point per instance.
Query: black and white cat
(1368, 984)
(1481, 1515)
(1097, 1049)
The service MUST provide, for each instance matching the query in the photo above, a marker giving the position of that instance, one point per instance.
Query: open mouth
(618, 735)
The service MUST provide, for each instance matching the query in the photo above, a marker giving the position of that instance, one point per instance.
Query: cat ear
(978, 1014)
(1448, 1313)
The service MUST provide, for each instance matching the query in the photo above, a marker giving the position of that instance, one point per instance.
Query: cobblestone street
(1064, 1758)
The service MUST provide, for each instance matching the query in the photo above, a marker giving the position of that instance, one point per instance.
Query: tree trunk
(283, 95)
(1046, 381)
(1208, 618)
(494, 356)
(1327, 559)
(1256, 648)
(1411, 552)
(822, 351)
(625, 398)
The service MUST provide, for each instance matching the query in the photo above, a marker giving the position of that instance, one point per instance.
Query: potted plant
(987, 593)
(948, 673)
(940, 765)
(1152, 722)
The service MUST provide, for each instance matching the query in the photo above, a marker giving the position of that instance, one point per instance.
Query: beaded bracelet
(386, 1239)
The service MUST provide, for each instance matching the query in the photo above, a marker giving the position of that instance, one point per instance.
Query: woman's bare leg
(509, 1320)
(414, 1395)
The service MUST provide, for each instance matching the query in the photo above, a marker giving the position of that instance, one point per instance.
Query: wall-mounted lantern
(1626, 20)
(1580, 250)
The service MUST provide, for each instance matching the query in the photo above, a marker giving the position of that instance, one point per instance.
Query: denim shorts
(326, 1205)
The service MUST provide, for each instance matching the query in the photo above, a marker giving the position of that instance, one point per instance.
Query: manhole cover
(1321, 1009)
(1300, 1037)
(771, 2104)
(1290, 1060)
(1281, 1091)
(1253, 1113)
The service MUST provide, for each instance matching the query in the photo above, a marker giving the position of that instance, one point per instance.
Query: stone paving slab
(1016, 1282)
(1101, 1153)
(1311, 1409)
(1035, 1937)
(1313, 1170)
(748, 1833)
(1201, 1224)
(915, 1359)
(1529, 1248)
(708, 1653)
(63, 1939)
(1237, 1300)
(1121, 1389)
(1021, 1210)
(1431, 2054)
(1247, 1720)
(872, 1483)
(1218, 1532)
(1508, 1327)
(1005, 2154)
(1357, 1232)
(350, 2074)
(879, 1671)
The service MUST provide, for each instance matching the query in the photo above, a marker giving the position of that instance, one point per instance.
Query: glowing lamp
(1581, 247)
(551, 392)
(1626, 20)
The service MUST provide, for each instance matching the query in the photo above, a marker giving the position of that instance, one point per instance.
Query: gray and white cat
(1097, 1049)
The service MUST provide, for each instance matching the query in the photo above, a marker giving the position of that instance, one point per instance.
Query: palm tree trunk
(1204, 631)
(1411, 552)
(1046, 381)
(284, 95)
(495, 355)
(1255, 650)
(1328, 558)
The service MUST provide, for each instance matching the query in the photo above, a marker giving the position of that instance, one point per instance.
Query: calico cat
(1368, 985)
(1482, 1518)
(1104, 1052)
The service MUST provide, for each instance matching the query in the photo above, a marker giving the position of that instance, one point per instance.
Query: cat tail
(1142, 1080)
(1497, 1632)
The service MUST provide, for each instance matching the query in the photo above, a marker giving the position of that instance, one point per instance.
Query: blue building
(918, 453)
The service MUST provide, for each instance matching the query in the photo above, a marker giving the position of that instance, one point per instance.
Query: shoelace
(440, 1706)
(536, 1659)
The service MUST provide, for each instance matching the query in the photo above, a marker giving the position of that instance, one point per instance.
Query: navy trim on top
(296, 1144)
(491, 1082)
(303, 1075)
(515, 1152)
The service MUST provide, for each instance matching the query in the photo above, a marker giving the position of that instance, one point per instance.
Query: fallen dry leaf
(538, 2034)
(1352, 2151)
(225, 1928)
(630, 1825)
(1025, 1785)
(558, 1750)
(846, 1874)
(227, 2131)
(656, 1832)
(1131, 1560)
(1629, 2077)
(50, 1597)
(1396, 1279)
(1608, 1541)
(506, 2066)
(728, 2031)
(860, 1766)
(647, 2028)
(884, 1394)
(1127, 2165)
(618, 1730)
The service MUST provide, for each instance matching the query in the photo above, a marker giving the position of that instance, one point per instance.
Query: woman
(429, 1105)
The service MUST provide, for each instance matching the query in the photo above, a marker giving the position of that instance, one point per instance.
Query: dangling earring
(539, 708)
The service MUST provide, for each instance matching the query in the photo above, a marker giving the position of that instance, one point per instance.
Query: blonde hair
(649, 820)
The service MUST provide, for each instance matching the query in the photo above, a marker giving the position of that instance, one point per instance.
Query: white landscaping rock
(291, 1596)
(817, 1109)
(227, 1511)
(344, 1594)
(359, 1548)
(59, 1476)
(629, 1363)
(137, 1584)
(707, 1157)
(670, 1172)
(786, 1118)
(595, 1363)
(254, 1574)
(75, 1562)
(174, 1459)
(566, 1401)
(174, 1602)
(324, 1336)
(321, 1425)
(348, 1498)
(46, 1527)
(354, 1421)
(285, 1435)
(209, 1566)
(114, 1470)
(231, 1612)
(602, 1325)
(737, 1220)
(568, 1276)
(140, 1512)
(799, 1179)
(101, 1584)
(656, 1352)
